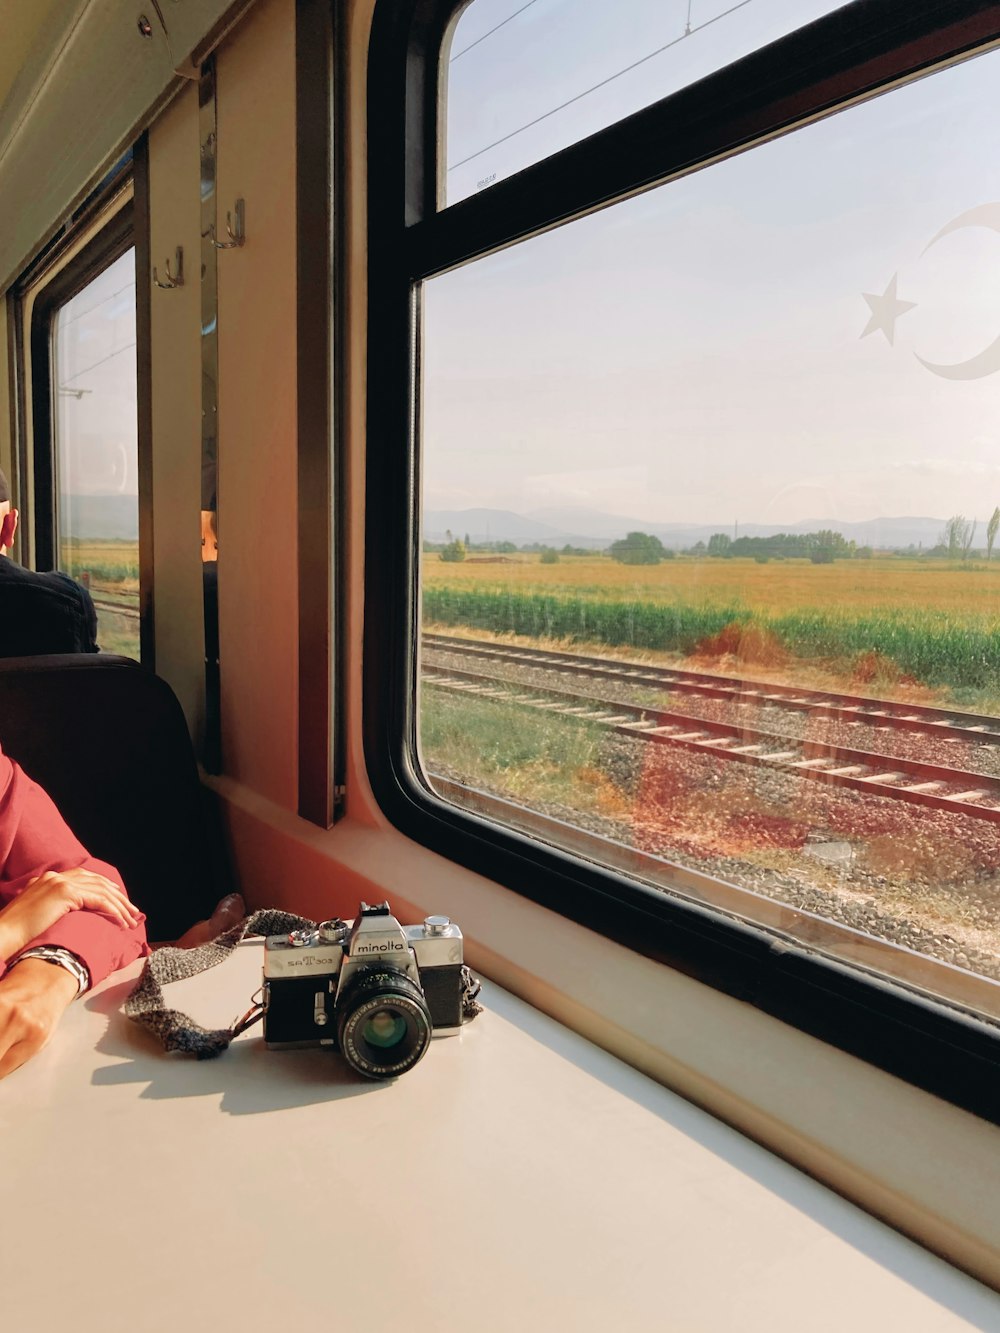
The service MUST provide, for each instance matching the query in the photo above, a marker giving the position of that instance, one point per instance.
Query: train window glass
(95, 446)
(710, 518)
(526, 80)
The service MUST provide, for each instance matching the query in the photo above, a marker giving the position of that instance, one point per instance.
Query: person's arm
(31, 916)
(104, 933)
(33, 997)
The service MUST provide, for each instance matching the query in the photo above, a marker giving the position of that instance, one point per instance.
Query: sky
(96, 416)
(511, 62)
(706, 352)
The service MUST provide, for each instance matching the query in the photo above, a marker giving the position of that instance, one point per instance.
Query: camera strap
(147, 1007)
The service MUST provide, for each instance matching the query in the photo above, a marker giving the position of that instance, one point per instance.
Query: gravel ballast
(925, 879)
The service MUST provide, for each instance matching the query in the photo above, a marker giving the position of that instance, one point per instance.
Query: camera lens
(384, 1028)
(383, 1023)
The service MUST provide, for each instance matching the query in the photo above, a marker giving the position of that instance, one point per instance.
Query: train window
(512, 100)
(708, 575)
(95, 438)
(692, 556)
(79, 456)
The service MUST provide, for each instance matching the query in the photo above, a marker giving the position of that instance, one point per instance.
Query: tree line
(822, 547)
(643, 548)
(455, 548)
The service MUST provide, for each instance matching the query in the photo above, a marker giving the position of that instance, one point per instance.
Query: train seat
(108, 741)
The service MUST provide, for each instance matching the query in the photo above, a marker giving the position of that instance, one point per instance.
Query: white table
(517, 1179)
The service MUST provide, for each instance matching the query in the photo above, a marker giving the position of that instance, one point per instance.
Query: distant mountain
(608, 527)
(879, 532)
(116, 517)
(500, 525)
(111, 516)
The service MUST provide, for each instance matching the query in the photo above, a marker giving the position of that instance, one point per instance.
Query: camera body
(374, 989)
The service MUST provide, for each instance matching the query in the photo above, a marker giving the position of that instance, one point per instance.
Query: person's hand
(50, 896)
(33, 998)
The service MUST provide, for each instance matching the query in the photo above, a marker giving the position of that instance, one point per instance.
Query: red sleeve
(34, 838)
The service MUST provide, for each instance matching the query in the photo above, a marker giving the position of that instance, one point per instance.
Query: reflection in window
(740, 434)
(97, 448)
(526, 80)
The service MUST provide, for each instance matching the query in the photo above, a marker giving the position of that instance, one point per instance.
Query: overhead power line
(95, 364)
(497, 28)
(602, 84)
(91, 309)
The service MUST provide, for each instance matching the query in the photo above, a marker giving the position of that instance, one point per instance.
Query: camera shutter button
(301, 937)
(436, 925)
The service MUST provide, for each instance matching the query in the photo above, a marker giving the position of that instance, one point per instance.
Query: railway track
(852, 709)
(126, 609)
(933, 785)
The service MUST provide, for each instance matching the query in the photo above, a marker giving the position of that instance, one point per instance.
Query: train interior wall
(926, 1167)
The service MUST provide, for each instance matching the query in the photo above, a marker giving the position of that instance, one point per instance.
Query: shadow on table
(923, 1271)
(250, 1078)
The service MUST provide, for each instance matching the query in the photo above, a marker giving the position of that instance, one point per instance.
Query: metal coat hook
(175, 279)
(237, 234)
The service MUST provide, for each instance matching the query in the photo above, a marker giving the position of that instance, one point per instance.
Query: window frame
(321, 244)
(126, 229)
(110, 243)
(842, 58)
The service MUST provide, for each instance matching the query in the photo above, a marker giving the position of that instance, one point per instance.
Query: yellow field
(112, 565)
(108, 549)
(775, 588)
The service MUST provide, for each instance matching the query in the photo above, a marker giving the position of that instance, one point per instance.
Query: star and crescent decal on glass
(886, 308)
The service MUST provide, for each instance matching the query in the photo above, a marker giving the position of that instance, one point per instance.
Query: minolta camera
(374, 989)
